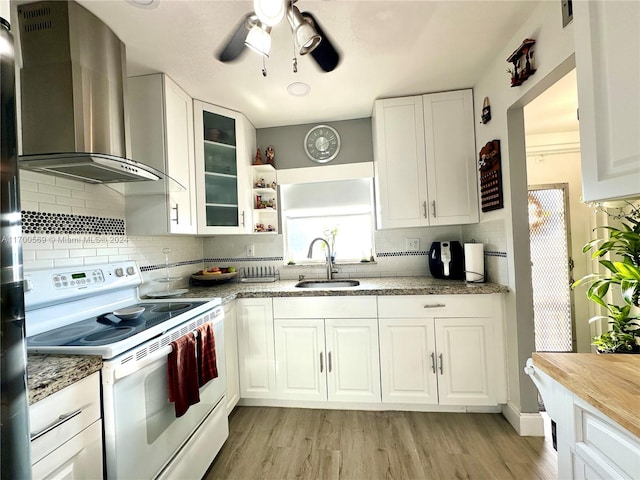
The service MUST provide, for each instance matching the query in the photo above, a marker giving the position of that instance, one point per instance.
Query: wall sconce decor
(491, 197)
(524, 53)
(486, 111)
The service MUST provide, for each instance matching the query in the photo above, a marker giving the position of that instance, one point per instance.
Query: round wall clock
(322, 143)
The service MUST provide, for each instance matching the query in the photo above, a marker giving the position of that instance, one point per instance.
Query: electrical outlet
(251, 252)
(413, 244)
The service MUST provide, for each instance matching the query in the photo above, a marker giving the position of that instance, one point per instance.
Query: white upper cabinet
(452, 182)
(161, 122)
(607, 37)
(424, 154)
(225, 141)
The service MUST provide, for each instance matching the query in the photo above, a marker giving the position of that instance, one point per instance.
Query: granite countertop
(610, 382)
(47, 374)
(368, 286)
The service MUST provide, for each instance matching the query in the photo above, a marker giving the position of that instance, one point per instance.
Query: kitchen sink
(327, 283)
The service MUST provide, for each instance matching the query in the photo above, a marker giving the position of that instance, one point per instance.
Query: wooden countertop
(609, 382)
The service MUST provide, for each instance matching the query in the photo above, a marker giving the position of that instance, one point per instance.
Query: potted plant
(622, 244)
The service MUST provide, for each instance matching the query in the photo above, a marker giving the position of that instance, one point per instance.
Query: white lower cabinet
(256, 348)
(326, 349)
(430, 354)
(66, 432)
(327, 359)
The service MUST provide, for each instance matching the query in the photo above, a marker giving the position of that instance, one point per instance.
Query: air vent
(36, 15)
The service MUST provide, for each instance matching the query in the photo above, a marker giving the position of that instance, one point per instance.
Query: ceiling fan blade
(234, 46)
(325, 54)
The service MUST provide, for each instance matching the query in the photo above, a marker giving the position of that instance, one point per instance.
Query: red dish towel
(207, 364)
(183, 374)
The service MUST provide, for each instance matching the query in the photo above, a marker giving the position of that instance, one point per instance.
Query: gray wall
(355, 138)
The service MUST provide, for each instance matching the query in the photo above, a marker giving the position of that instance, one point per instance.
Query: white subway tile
(72, 202)
(53, 208)
(38, 265)
(28, 206)
(69, 183)
(95, 260)
(83, 252)
(68, 262)
(51, 254)
(54, 190)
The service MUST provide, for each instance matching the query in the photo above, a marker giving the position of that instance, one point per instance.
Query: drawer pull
(321, 363)
(329, 365)
(61, 419)
(433, 362)
(435, 305)
(441, 364)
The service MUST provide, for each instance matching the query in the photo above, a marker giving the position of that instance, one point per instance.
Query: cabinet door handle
(242, 218)
(61, 419)
(329, 362)
(177, 214)
(434, 305)
(433, 206)
(424, 207)
(433, 362)
(440, 356)
(321, 362)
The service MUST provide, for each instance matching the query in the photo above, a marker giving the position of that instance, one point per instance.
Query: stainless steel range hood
(73, 78)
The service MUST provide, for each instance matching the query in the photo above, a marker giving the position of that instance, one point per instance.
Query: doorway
(551, 268)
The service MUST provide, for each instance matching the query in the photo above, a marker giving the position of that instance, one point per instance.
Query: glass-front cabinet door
(224, 140)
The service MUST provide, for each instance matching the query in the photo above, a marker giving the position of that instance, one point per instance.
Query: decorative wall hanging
(524, 53)
(486, 111)
(491, 197)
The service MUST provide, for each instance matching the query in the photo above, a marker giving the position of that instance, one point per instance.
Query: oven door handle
(122, 371)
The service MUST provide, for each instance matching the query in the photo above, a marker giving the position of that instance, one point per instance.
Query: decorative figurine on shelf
(272, 203)
(271, 156)
(270, 228)
(274, 185)
(258, 201)
(260, 183)
(258, 158)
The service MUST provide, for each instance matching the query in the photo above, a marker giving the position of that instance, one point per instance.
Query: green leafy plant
(623, 244)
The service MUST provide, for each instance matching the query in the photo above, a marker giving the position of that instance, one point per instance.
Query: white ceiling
(389, 48)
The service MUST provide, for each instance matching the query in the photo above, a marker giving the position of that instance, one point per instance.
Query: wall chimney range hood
(73, 108)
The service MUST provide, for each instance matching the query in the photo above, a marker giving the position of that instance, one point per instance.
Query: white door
(300, 359)
(401, 176)
(450, 156)
(353, 362)
(255, 348)
(180, 158)
(408, 361)
(463, 363)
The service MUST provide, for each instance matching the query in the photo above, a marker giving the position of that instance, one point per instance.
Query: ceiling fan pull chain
(264, 67)
(293, 44)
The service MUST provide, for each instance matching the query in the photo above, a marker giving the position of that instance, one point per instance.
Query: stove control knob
(131, 270)
(119, 272)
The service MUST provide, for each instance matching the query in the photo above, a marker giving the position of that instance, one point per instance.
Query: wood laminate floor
(288, 443)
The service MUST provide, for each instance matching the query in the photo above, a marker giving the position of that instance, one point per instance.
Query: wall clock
(322, 143)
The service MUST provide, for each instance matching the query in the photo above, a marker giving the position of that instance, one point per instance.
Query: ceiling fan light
(306, 36)
(270, 12)
(259, 40)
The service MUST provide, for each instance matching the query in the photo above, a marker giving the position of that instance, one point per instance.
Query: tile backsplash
(70, 223)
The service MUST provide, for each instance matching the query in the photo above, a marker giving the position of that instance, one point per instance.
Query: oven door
(142, 433)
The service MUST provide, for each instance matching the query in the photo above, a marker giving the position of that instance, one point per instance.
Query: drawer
(62, 415)
(604, 445)
(325, 307)
(420, 306)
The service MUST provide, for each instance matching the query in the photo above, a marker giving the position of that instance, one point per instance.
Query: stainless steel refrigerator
(15, 459)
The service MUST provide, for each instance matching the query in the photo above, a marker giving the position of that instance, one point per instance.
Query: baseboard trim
(526, 424)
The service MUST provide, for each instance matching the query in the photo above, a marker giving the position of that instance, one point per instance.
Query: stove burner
(109, 334)
(63, 334)
(171, 307)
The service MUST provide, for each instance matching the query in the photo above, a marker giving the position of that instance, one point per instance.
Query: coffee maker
(446, 260)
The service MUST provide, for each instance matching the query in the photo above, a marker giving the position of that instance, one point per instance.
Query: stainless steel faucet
(329, 264)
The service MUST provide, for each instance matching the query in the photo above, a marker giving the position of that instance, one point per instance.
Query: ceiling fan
(254, 30)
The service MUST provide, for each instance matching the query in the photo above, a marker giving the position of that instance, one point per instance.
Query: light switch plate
(251, 252)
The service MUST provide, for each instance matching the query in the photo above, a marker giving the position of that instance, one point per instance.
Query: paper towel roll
(474, 262)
